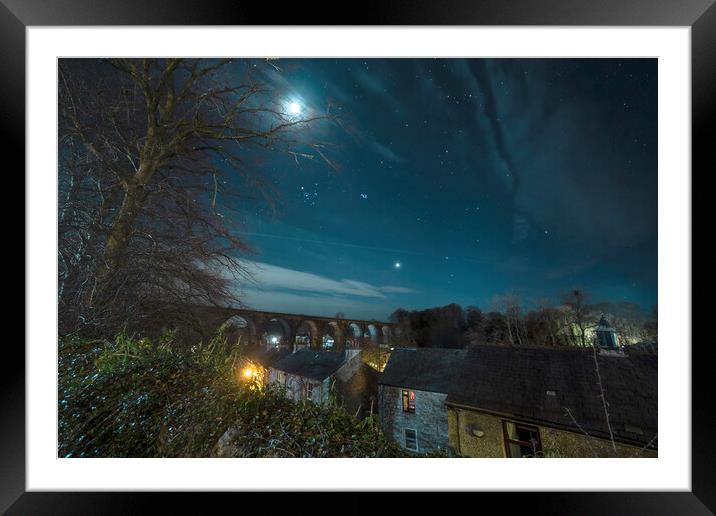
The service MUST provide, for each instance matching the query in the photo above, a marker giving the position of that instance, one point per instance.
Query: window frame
(309, 391)
(405, 438)
(405, 394)
(507, 440)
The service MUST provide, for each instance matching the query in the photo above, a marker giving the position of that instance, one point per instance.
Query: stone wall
(296, 385)
(358, 394)
(212, 317)
(555, 442)
(429, 419)
(354, 385)
(350, 367)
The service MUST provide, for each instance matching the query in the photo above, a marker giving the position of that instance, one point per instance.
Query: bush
(131, 397)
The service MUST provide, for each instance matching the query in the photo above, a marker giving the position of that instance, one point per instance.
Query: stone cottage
(267, 356)
(310, 374)
(412, 391)
(523, 402)
(501, 401)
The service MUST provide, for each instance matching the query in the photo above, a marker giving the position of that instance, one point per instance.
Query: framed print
(386, 254)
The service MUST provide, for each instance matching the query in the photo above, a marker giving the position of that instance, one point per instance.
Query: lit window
(408, 401)
(521, 440)
(411, 439)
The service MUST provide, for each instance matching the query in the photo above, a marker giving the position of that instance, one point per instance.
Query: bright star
(397, 265)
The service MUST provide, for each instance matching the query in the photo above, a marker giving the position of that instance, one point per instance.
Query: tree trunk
(517, 331)
(582, 337)
(509, 331)
(551, 334)
(134, 197)
(121, 232)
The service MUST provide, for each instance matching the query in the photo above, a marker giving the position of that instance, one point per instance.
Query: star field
(462, 179)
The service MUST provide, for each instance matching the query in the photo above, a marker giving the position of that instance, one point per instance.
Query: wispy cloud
(281, 289)
(316, 304)
(397, 290)
(387, 153)
(269, 277)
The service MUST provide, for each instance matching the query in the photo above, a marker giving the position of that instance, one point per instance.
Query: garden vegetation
(133, 397)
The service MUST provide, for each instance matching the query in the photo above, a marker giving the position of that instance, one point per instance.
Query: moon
(397, 265)
(294, 107)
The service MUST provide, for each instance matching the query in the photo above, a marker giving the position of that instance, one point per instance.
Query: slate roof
(267, 357)
(423, 369)
(516, 381)
(309, 363)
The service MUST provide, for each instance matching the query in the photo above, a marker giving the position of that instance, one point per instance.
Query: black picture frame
(700, 15)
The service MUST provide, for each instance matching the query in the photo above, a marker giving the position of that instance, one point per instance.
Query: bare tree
(548, 315)
(580, 313)
(154, 156)
(402, 325)
(509, 303)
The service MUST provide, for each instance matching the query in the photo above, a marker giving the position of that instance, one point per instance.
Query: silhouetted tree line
(570, 323)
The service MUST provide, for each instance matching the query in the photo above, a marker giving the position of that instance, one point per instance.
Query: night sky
(460, 180)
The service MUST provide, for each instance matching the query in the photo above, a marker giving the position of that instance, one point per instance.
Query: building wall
(429, 419)
(555, 443)
(295, 386)
(353, 362)
(358, 394)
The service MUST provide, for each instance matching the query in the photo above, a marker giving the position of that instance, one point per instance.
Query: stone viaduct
(296, 331)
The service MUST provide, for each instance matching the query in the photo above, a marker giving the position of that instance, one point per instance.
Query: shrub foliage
(132, 397)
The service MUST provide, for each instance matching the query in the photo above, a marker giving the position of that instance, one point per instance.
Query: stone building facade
(477, 434)
(428, 421)
(412, 392)
(301, 387)
(500, 401)
(310, 375)
(522, 402)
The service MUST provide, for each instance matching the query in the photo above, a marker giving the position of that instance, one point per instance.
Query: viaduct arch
(295, 331)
